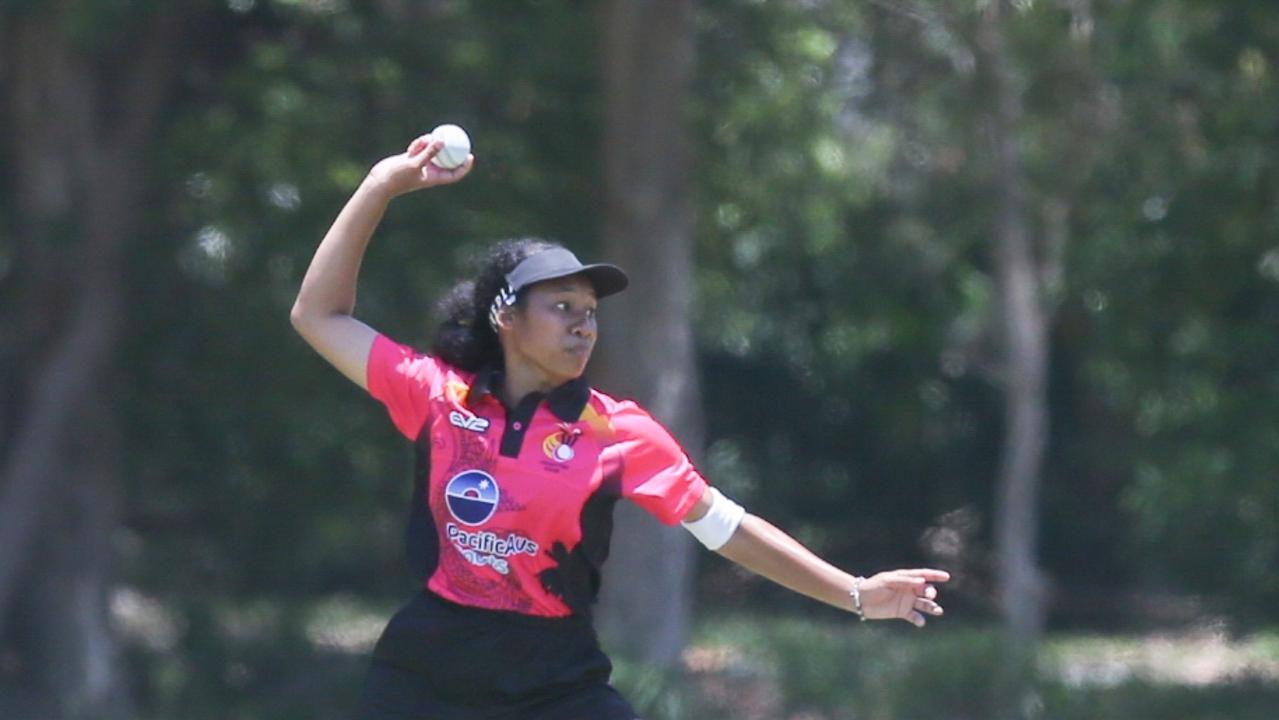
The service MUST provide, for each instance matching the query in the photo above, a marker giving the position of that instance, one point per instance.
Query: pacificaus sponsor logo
(485, 548)
(472, 497)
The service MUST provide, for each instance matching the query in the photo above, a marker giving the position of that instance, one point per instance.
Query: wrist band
(856, 594)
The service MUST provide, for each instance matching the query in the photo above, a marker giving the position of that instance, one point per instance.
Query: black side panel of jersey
(421, 542)
(576, 578)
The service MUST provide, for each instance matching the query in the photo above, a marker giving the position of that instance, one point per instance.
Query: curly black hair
(463, 337)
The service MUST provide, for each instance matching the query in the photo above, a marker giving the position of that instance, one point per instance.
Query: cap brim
(607, 279)
(560, 263)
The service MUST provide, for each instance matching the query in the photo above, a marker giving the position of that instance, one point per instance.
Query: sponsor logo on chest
(468, 422)
(472, 498)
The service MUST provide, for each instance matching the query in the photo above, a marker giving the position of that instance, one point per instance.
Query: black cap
(557, 263)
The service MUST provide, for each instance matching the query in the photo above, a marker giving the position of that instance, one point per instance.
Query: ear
(505, 318)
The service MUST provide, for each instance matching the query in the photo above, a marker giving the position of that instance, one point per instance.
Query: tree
(82, 110)
(647, 349)
(1025, 344)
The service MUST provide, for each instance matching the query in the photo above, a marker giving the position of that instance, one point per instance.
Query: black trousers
(440, 661)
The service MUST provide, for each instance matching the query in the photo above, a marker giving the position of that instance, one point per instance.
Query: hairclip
(505, 298)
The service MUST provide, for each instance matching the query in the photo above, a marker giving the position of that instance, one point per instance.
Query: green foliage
(870, 672)
(849, 287)
(1179, 302)
(846, 299)
(655, 693)
(263, 658)
(254, 470)
(850, 671)
(829, 290)
(281, 121)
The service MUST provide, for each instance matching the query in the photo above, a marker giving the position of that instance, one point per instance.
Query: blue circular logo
(472, 497)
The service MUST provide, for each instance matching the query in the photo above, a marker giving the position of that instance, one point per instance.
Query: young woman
(519, 464)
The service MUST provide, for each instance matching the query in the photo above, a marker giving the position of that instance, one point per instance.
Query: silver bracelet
(856, 594)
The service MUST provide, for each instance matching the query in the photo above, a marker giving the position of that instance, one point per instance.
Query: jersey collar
(566, 402)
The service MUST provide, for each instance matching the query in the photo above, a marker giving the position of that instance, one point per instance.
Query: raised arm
(322, 312)
(762, 548)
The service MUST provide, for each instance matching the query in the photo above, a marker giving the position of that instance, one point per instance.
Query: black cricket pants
(437, 660)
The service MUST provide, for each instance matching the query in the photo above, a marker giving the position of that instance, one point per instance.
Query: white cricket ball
(457, 145)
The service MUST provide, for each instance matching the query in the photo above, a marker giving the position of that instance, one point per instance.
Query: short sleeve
(657, 474)
(402, 379)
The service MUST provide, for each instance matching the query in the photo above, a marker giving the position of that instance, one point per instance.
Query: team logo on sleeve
(472, 497)
(558, 445)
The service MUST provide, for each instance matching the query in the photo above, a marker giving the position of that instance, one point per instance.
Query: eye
(562, 306)
(590, 313)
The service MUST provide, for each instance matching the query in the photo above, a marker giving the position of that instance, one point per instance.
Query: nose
(584, 328)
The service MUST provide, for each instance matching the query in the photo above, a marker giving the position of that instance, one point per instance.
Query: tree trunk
(1025, 351)
(77, 148)
(647, 347)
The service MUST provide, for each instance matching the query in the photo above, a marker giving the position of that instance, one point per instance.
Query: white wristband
(719, 523)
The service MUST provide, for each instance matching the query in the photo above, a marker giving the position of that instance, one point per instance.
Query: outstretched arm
(322, 312)
(762, 548)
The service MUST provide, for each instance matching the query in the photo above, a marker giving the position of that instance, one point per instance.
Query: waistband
(509, 618)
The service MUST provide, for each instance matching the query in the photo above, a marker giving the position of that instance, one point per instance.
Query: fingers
(918, 616)
(914, 596)
(928, 607)
(917, 581)
(423, 143)
(928, 574)
(423, 149)
(913, 585)
(420, 152)
(456, 173)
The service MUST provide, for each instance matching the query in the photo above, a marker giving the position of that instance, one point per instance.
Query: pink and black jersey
(513, 507)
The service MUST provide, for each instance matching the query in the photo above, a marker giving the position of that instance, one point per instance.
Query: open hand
(413, 169)
(904, 594)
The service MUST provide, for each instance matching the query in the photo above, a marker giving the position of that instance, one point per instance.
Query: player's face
(555, 329)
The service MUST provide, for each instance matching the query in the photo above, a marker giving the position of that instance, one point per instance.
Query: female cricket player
(519, 465)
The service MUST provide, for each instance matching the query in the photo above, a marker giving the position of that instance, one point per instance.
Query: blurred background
(983, 285)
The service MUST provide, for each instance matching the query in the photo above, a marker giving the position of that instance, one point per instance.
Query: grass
(284, 661)
(805, 669)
